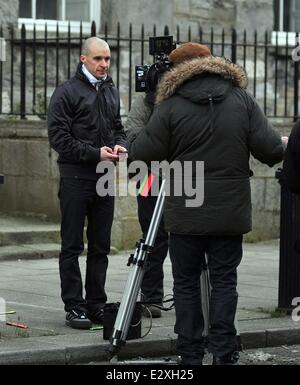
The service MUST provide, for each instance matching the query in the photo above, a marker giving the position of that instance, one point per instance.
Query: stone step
(29, 251)
(29, 236)
(27, 230)
(35, 251)
(18, 231)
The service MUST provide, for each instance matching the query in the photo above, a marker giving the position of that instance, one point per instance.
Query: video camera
(147, 76)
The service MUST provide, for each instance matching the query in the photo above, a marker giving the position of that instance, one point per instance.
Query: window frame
(63, 25)
(280, 36)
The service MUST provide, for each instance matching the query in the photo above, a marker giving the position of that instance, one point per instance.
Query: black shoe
(96, 316)
(151, 311)
(77, 319)
(231, 358)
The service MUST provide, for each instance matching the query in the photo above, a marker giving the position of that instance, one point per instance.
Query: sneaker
(77, 319)
(150, 311)
(231, 358)
(96, 316)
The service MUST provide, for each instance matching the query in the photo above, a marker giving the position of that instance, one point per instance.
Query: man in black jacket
(84, 128)
(204, 114)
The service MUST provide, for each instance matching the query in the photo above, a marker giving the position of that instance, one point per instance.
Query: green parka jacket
(204, 113)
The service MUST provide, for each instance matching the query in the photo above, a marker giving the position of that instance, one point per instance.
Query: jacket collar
(80, 75)
(92, 79)
(182, 72)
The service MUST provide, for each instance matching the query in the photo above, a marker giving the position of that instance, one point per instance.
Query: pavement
(30, 287)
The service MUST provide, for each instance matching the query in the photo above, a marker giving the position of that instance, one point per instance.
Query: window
(25, 8)
(77, 9)
(286, 21)
(287, 15)
(40, 12)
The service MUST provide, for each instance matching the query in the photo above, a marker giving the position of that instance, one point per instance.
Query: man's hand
(106, 153)
(118, 149)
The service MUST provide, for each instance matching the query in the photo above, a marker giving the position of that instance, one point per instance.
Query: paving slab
(31, 288)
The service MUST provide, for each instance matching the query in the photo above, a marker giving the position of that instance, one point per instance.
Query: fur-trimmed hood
(199, 67)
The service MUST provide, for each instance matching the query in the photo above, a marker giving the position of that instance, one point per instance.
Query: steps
(29, 251)
(29, 235)
(28, 238)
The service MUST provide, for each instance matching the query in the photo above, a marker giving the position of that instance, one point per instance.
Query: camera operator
(152, 290)
(204, 113)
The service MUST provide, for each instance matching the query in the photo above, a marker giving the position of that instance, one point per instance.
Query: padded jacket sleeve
(264, 142)
(138, 118)
(119, 132)
(152, 142)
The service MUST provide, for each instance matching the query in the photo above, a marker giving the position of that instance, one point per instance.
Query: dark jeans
(224, 255)
(79, 200)
(152, 286)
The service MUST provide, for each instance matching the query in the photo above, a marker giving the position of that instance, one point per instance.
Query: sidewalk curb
(96, 352)
(270, 338)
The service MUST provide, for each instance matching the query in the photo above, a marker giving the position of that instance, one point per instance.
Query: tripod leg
(128, 302)
(205, 301)
(205, 296)
(134, 281)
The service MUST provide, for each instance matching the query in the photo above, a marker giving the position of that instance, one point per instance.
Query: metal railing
(36, 62)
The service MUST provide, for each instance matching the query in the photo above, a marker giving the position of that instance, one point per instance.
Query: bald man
(84, 128)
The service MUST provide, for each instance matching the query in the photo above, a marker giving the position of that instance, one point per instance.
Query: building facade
(239, 14)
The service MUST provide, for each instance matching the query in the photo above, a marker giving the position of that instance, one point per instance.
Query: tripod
(135, 277)
(205, 299)
(134, 281)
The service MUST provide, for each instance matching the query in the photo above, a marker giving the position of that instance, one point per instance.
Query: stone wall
(220, 14)
(254, 15)
(137, 12)
(31, 180)
(9, 11)
(224, 13)
(265, 192)
(31, 185)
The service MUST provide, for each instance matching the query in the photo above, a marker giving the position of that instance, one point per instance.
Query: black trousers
(78, 201)
(152, 287)
(224, 255)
